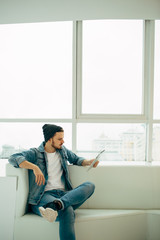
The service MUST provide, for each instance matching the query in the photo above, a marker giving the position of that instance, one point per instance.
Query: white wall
(7, 207)
(16, 11)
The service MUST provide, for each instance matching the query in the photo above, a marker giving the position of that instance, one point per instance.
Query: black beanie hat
(49, 130)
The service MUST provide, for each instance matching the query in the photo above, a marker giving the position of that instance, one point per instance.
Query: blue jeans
(70, 200)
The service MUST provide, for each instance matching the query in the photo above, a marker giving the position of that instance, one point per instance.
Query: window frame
(148, 85)
(81, 115)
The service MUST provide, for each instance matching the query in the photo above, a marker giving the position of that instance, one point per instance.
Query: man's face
(58, 140)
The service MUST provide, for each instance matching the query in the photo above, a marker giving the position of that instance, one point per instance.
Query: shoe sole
(48, 213)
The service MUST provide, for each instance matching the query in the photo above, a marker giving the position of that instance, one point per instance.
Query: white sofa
(125, 205)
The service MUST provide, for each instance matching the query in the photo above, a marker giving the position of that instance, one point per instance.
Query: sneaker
(48, 213)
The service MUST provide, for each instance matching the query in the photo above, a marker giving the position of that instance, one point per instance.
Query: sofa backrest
(117, 187)
(121, 186)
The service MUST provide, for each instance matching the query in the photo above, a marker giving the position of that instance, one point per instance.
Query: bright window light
(157, 71)
(36, 70)
(112, 63)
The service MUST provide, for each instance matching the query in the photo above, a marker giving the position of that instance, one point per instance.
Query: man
(50, 191)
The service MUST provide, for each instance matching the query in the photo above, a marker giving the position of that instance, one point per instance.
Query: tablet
(96, 159)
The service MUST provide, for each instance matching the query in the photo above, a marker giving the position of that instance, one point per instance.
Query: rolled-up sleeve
(17, 158)
(74, 159)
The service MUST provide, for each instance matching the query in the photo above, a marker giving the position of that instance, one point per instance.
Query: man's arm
(26, 160)
(80, 161)
(39, 177)
(73, 158)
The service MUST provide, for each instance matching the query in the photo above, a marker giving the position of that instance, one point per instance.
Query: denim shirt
(38, 157)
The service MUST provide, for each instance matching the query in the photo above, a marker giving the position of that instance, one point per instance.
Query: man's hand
(89, 162)
(39, 176)
(36, 170)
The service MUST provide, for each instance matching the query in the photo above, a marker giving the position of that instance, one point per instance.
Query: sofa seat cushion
(90, 224)
(89, 214)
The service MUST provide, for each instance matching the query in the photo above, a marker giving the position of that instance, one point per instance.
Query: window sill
(127, 163)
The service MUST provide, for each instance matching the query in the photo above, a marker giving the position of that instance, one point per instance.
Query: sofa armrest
(22, 188)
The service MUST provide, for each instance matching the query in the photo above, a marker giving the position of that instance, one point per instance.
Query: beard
(56, 147)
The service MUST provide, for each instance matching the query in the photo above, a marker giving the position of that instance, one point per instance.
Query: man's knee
(90, 186)
(70, 211)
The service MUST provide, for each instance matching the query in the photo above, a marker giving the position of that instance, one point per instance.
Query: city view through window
(122, 142)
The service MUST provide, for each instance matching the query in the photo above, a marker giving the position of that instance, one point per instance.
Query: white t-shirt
(55, 172)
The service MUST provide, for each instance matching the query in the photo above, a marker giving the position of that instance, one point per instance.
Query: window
(94, 79)
(156, 143)
(16, 137)
(112, 67)
(156, 112)
(36, 70)
(157, 72)
(122, 142)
